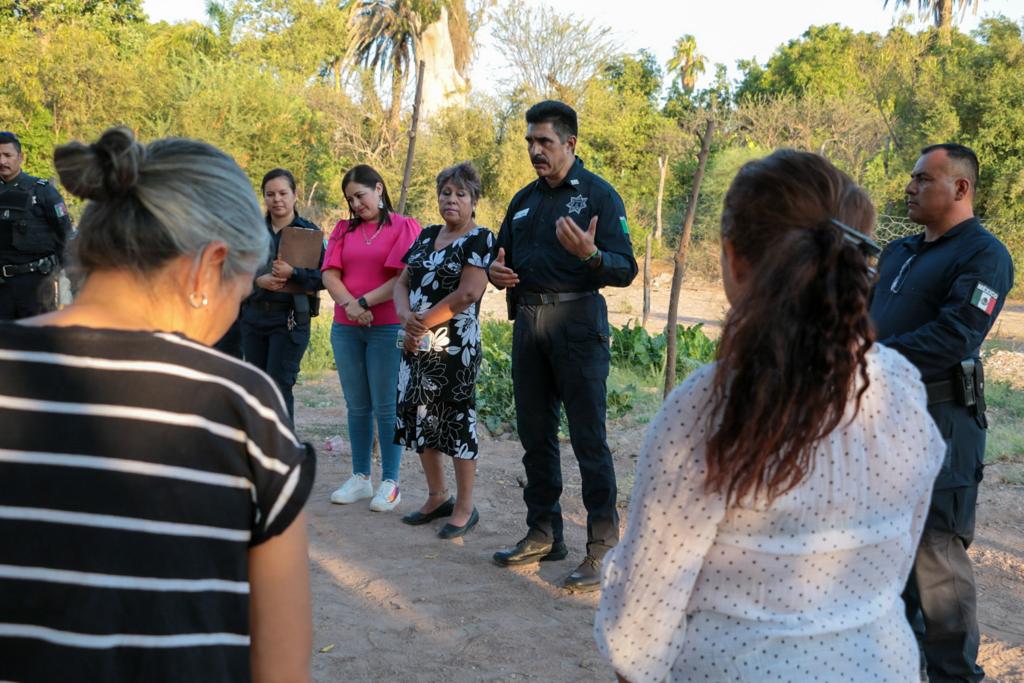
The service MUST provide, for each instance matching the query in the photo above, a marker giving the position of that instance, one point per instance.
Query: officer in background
(563, 238)
(937, 296)
(34, 226)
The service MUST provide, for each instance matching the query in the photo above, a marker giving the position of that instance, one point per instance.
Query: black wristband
(362, 302)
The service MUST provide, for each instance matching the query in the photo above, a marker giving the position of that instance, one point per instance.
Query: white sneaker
(388, 497)
(356, 488)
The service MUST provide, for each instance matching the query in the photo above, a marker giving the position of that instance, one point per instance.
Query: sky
(726, 31)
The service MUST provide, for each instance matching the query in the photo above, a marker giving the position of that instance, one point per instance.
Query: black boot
(587, 576)
(528, 550)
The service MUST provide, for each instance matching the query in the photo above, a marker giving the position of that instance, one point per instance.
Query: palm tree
(686, 63)
(222, 20)
(391, 36)
(386, 38)
(940, 11)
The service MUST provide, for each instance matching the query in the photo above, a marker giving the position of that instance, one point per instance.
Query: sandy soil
(393, 602)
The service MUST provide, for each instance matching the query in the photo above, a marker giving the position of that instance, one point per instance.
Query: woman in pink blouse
(363, 260)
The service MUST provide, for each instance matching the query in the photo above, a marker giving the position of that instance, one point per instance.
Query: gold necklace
(362, 233)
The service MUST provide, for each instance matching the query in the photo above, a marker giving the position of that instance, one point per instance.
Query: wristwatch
(362, 302)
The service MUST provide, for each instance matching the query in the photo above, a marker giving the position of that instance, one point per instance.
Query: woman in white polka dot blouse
(781, 491)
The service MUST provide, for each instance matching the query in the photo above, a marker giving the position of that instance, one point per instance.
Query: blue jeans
(367, 360)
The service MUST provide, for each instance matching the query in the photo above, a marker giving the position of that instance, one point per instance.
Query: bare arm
(336, 288)
(381, 294)
(471, 287)
(279, 604)
(401, 294)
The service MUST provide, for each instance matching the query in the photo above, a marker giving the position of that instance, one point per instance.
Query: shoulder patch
(42, 181)
(985, 298)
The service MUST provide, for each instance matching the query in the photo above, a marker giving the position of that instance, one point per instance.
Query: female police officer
(275, 322)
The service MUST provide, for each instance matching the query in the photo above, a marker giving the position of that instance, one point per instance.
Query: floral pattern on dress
(437, 387)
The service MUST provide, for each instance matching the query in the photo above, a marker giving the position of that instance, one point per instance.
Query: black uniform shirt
(46, 209)
(935, 301)
(533, 251)
(306, 278)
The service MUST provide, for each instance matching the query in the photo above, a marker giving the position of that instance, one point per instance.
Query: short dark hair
(962, 154)
(278, 173)
(560, 115)
(9, 138)
(462, 175)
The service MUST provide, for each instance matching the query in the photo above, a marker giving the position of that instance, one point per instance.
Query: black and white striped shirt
(136, 471)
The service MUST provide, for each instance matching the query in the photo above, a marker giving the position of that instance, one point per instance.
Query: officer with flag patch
(564, 237)
(937, 296)
(34, 226)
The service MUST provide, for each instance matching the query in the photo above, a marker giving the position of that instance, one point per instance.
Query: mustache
(538, 160)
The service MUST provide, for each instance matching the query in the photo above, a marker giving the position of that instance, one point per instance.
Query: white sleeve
(647, 579)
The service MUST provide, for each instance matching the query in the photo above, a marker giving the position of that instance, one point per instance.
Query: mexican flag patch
(625, 227)
(60, 209)
(984, 298)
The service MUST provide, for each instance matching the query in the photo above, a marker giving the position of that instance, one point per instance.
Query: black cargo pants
(560, 357)
(268, 344)
(23, 296)
(940, 597)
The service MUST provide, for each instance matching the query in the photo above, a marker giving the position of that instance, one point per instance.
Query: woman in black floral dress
(438, 302)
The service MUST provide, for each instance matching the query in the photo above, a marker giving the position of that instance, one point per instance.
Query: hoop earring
(380, 203)
(197, 299)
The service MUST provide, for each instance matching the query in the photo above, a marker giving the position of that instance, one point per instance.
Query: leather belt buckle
(4, 273)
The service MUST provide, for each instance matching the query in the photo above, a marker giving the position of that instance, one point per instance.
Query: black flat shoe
(451, 531)
(527, 551)
(445, 509)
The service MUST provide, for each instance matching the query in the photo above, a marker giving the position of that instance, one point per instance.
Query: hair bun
(107, 168)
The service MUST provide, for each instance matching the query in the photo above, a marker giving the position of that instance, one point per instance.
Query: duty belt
(966, 388)
(43, 265)
(548, 299)
(268, 306)
(940, 392)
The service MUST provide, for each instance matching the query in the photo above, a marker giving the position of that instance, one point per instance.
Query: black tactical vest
(23, 218)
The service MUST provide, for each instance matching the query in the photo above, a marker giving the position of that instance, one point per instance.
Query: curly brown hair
(792, 346)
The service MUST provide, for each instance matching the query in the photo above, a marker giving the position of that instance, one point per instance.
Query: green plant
(319, 357)
(635, 348)
(495, 403)
(693, 349)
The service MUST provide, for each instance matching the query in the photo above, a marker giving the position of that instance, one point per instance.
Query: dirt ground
(393, 602)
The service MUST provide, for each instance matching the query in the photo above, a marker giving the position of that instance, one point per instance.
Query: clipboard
(300, 248)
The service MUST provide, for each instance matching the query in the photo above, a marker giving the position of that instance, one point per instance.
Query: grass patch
(1006, 423)
(319, 357)
(634, 396)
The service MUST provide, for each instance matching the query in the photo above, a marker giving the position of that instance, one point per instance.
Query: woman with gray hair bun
(437, 297)
(151, 523)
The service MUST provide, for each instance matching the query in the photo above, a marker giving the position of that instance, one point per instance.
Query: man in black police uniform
(552, 269)
(34, 225)
(937, 296)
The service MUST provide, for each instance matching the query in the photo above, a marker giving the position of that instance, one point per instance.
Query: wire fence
(891, 228)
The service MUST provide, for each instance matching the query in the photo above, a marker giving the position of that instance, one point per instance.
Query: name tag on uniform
(520, 214)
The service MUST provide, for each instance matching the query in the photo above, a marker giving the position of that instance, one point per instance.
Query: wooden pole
(407, 173)
(680, 258)
(662, 169)
(647, 281)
